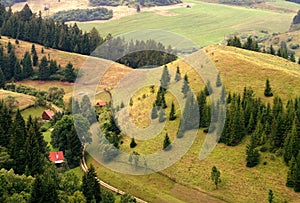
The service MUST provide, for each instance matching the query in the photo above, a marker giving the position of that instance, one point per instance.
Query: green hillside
(188, 180)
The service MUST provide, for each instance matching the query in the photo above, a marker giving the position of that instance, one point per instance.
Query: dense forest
(83, 15)
(132, 2)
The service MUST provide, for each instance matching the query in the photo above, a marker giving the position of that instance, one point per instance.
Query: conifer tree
(252, 158)
(90, 186)
(154, 112)
(69, 73)
(178, 75)
(218, 82)
(27, 65)
(18, 72)
(132, 143)
(292, 57)
(297, 174)
(215, 176)
(161, 115)
(2, 79)
(270, 196)
(165, 78)
(291, 173)
(268, 90)
(44, 72)
(172, 115)
(167, 142)
(185, 88)
(272, 50)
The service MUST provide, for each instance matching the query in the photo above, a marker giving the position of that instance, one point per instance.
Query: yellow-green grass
(238, 68)
(62, 57)
(204, 23)
(77, 171)
(35, 112)
(23, 100)
(47, 138)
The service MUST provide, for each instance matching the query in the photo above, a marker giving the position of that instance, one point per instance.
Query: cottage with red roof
(47, 114)
(101, 103)
(57, 157)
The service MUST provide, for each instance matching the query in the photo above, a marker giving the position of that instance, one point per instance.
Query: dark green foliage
(83, 15)
(107, 196)
(90, 186)
(127, 198)
(87, 109)
(215, 176)
(34, 56)
(251, 44)
(268, 90)
(252, 158)
(204, 110)
(160, 98)
(44, 71)
(172, 115)
(270, 196)
(292, 57)
(132, 143)
(2, 79)
(234, 41)
(27, 65)
(190, 113)
(69, 73)
(167, 142)
(208, 88)
(272, 50)
(296, 176)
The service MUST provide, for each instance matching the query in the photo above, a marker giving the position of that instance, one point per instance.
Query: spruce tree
(167, 142)
(44, 72)
(172, 115)
(218, 82)
(268, 90)
(185, 88)
(90, 186)
(297, 174)
(18, 72)
(161, 116)
(215, 176)
(178, 75)
(132, 143)
(165, 78)
(252, 158)
(270, 196)
(292, 57)
(272, 50)
(154, 114)
(27, 65)
(2, 79)
(290, 182)
(69, 73)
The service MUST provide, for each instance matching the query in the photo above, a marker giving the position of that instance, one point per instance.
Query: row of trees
(252, 44)
(83, 15)
(127, 2)
(11, 69)
(28, 26)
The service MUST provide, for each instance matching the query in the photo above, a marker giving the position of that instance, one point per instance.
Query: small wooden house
(47, 114)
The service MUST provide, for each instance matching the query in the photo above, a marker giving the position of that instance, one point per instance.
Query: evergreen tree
(209, 89)
(272, 50)
(35, 59)
(18, 72)
(44, 72)
(203, 110)
(292, 57)
(53, 67)
(290, 182)
(69, 73)
(165, 78)
(190, 113)
(218, 82)
(154, 112)
(172, 115)
(270, 196)
(73, 152)
(161, 116)
(90, 186)
(185, 88)
(2, 79)
(132, 143)
(215, 176)
(167, 142)
(268, 90)
(27, 66)
(252, 158)
(297, 174)
(178, 75)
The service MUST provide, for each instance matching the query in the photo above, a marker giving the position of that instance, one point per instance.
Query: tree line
(252, 44)
(83, 15)
(146, 3)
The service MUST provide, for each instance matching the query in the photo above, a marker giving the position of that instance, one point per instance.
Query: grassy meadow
(22, 100)
(204, 23)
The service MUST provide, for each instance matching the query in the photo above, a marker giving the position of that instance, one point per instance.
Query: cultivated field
(203, 23)
(22, 100)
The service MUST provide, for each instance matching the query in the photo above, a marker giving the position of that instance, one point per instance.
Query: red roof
(56, 157)
(49, 113)
(101, 103)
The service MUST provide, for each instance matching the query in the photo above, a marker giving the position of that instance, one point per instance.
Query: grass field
(204, 23)
(35, 112)
(23, 100)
